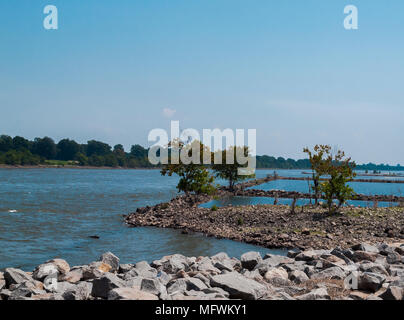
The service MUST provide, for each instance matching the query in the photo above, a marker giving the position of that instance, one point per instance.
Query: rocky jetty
(275, 226)
(362, 272)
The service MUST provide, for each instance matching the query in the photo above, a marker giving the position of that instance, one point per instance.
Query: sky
(114, 70)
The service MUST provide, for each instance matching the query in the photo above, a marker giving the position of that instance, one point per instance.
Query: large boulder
(95, 270)
(239, 287)
(81, 291)
(393, 293)
(126, 293)
(153, 286)
(111, 259)
(16, 276)
(175, 263)
(369, 281)
(365, 247)
(103, 285)
(250, 259)
(298, 277)
(330, 273)
(363, 255)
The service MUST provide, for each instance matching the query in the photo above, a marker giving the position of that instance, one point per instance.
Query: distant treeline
(21, 151)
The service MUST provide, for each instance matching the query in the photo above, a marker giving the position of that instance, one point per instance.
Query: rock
(2, 284)
(276, 273)
(62, 265)
(393, 293)
(370, 281)
(206, 265)
(95, 270)
(204, 279)
(385, 249)
(298, 277)
(176, 286)
(134, 282)
(16, 276)
(345, 255)
(330, 273)
(130, 294)
(292, 253)
(25, 289)
(373, 267)
(363, 255)
(175, 263)
(124, 268)
(195, 284)
(316, 294)
(73, 276)
(393, 258)
(44, 270)
(365, 247)
(224, 265)
(250, 259)
(103, 285)
(142, 269)
(163, 277)
(239, 287)
(153, 286)
(400, 250)
(358, 295)
(111, 259)
(82, 291)
(216, 290)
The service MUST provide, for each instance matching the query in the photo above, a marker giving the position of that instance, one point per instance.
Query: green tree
(230, 171)
(340, 171)
(320, 162)
(194, 177)
(45, 148)
(67, 149)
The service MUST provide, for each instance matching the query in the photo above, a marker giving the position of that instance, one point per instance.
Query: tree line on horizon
(21, 151)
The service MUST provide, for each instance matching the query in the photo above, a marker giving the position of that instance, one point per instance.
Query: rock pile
(363, 272)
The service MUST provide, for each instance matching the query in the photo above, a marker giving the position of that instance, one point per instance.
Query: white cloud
(168, 112)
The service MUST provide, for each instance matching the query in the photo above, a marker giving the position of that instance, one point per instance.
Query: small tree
(194, 177)
(230, 171)
(336, 187)
(320, 162)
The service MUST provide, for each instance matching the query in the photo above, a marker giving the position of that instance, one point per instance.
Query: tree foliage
(230, 171)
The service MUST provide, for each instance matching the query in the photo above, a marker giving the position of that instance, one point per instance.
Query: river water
(49, 213)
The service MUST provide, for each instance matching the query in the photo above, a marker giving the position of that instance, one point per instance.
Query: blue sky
(286, 68)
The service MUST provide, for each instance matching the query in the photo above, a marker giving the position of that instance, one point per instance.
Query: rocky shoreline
(362, 272)
(275, 226)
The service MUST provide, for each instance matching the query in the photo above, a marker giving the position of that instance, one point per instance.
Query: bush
(214, 208)
(240, 221)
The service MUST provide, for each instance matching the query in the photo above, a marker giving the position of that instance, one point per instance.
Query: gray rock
(130, 294)
(204, 279)
(216, 290)
(124, 268)
(175, 263)
(81, 291)
(363, 255)
(298, 265)
(330, 273)
(393, 258)
(15, 276)
(365, 247)
(103, 285)
(44, 270)
(134, 282)
(142, 269)
(153, 286)
(393, 293)
(195, 284)
(370, 281)
(316, 294)
(25, 289)
(239, 287)
(310, 255)
(95, 270)
(111, 259)
(298, 276)
(205, 264)
(250, 259)
(176, 286)
(373, 267)
(163, 277)
(292, 253)
(345, 255)
(385, 249)
(224, 265)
